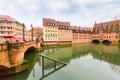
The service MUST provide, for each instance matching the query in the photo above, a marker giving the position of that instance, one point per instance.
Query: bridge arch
(95, 41)
(30, 49)
(106, 42)
(15, 55)
(18, 55)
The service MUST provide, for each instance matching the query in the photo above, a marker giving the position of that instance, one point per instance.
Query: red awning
(8, 36)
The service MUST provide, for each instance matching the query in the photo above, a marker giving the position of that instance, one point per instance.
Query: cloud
(78, 12)
(55, 5)
(84, 2)
(22, 10)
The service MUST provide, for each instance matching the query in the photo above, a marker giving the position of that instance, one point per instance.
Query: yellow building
(50, 31)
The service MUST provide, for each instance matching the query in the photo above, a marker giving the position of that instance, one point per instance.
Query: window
(53, 24)
(48, 24)
(80, 36)
(45, 35)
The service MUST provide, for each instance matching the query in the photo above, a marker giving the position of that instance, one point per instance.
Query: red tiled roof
(8, 18)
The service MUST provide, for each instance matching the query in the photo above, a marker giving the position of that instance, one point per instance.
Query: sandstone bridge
(13, 53)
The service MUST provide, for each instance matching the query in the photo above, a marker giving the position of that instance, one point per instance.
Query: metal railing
(55, 65)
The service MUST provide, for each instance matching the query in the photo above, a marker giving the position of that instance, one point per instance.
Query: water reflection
(83, 60)
(101, 52)
(107, 53)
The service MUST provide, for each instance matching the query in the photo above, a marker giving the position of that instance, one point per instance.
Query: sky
(77, 12)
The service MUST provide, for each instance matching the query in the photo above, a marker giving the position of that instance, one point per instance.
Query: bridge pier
(14, 69)
(4, 59)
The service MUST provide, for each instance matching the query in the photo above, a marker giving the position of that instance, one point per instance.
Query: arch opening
(106, 42)
(29, 52)
(30, 49)
(95, 41)
(30, 55)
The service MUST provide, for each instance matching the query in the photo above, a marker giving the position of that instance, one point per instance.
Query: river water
(85, 61)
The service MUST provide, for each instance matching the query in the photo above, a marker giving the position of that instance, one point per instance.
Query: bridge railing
(43, 57)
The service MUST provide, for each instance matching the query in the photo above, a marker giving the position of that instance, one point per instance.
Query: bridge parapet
(16, 45)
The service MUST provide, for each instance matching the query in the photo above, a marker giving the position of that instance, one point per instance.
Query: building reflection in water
(108, 53)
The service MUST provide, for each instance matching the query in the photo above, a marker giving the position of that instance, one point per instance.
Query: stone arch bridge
(99, 40)
(13, 53)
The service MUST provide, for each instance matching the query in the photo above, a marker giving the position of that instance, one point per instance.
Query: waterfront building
(64, 32)
(81, 34)
(37, 32)
(107, 31)
(10, 27)
(50, 31)
(28, 33)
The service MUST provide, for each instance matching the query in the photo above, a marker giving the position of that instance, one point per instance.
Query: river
(84, 61)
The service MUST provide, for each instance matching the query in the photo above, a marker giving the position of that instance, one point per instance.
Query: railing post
(54, 65)
(42, 66)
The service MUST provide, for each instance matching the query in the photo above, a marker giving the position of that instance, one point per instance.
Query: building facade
(64, 32)
(36, 32)
(107, 31)
(56, 32)
(81, 34)
(10, 27)
(50, 31)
